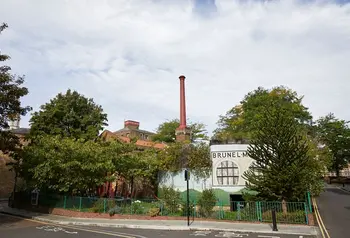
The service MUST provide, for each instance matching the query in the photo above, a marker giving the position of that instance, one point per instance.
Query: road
(334, 207)
(18, 228)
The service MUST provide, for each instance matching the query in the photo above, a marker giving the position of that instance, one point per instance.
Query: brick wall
(7, 178)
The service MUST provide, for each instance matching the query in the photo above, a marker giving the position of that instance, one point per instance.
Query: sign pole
(188, 203)
(187, 178)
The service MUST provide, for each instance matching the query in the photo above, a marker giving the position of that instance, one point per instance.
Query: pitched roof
(132, 129)
(106, 134)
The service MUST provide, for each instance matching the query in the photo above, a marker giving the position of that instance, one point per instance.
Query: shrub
(114, 210)
(154, 211)
(137, 207)
(98, 206)
(206, 202)
(101, 206)
(183, 208)
(171, 198)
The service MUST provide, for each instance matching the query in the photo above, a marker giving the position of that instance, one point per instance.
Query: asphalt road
(14, 227)
(334, 207)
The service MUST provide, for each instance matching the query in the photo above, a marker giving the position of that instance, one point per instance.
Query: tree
(239, 122)
(335, 134)
(69, 115)
(166, 131)
(68, 165)
(180, 155)
(11, 92)
(285, 165)
(143, 167)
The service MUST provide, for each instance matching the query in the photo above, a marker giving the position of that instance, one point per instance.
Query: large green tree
(239, 121)
(286, 165)
(11, 92)
(166, 131)
(70, 166)
(69, 115)
(335, 134)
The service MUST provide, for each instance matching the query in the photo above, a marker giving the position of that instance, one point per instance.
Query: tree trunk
(131, 186)
(284, 207)
(116, 188)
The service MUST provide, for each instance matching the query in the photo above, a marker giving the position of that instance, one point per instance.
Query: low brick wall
(70, 213)
(77, 214)
(311, 219)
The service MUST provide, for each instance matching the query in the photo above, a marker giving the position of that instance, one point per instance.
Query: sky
(128, 54)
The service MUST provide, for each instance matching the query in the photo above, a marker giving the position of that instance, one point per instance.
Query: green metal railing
(259, 211)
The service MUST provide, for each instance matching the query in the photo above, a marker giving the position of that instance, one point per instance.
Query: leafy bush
(171, 198)
(183, 208)
(154, 211)
(98, 206)
(101, 205)
(207, 202)
(137, 207)
(115, 210)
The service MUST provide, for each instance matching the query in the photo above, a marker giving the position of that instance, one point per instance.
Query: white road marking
(200, 233)
(230, 234)
(269, 236)
(55, 229)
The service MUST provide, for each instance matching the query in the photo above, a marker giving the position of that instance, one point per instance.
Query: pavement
(172, 228)
(346, 187)
(334, 208)
(17, 227)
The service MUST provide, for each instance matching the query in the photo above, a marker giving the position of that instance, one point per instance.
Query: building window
(227, 173)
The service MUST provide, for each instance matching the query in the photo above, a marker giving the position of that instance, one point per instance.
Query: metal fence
(290, 212)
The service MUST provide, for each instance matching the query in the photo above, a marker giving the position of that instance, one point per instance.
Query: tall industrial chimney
(183, 133)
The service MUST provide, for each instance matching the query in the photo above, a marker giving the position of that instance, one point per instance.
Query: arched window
(227, 173)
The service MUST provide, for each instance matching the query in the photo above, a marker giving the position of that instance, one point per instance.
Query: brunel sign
(233, 154)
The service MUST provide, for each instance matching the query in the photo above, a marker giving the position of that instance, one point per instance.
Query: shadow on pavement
(9, 221)
(338, 191)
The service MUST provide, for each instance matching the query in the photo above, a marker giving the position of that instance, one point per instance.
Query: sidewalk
(163, 224)
(335, 185)
(346, 187)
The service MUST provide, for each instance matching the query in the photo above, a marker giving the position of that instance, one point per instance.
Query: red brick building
(131, 130)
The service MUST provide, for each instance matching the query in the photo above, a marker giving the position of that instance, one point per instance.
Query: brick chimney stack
(183, 133)
(132, 124)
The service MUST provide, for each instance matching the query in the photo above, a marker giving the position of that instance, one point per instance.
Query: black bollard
(274, 220)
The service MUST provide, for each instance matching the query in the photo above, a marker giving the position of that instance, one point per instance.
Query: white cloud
(128, 54)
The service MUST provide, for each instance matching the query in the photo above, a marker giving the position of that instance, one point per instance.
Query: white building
(229, 161)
